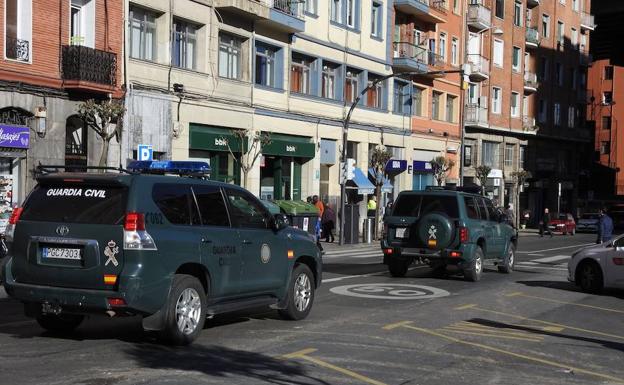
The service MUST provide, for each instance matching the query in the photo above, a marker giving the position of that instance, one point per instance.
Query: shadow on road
(218, 361)
(569, 286)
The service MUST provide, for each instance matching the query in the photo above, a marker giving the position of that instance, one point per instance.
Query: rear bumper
(467, 254)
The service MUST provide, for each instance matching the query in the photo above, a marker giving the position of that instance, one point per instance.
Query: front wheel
(398, 267)
(185, 311)
(475, 268)
(61, 323)
(590, 277)
(509, 259)
(300, 294)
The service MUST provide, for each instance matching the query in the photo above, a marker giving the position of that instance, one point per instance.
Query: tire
(185, 311)
(475, 270)
(300, 294)
(589, 277)
(509, 259)
(439, 271)
(62, 323)
(398, 267)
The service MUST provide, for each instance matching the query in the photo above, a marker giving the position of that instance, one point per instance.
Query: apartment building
(55, 55)
(528, 112)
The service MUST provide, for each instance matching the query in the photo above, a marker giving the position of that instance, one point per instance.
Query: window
(417, 101)
(401, 98)
(265, 65)
(184, 45)
(450, 108)
(498, 52)
(82, 25)
(515, 104)
(351, 15)
(310, 6)
(541, 111)
(559, 74)
(522, 157)
(482, 209)
(442, 46)
(496, 100)
(435, 105)
(456, 6)
(76, 143)
(454, 51)
(574, 38)
(351, 85)
(515, 57)
(328, 80)
(607, 98)
(560, 33)
(509, 155)
(492, 212)
(517, 14)
(336, 11)
(376, 20)
(545, 26)
(557, 114)
(490, 154)
(142, 34)
(374, 96)
(575, 5)
(467, 156)
(543, 69)
(606, 122)
(608, 73)
(229, 56)
(500, 8)
(176, 203)
(211, 206)
(18, 29)
(571, 116)
(300, 74)
(471, 207)
(573, 77)
(605, 148)
(247, 211)
(473, 94)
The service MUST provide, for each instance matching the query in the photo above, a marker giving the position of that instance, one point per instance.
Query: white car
(596, 267)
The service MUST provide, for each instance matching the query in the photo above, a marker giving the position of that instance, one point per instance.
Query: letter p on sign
(145, 152)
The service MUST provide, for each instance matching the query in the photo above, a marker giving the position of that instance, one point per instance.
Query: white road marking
(395, 291)
(556, 248)
(536, 255)
(551, 259)
(527, 263)
(378, 273)
(518, 267)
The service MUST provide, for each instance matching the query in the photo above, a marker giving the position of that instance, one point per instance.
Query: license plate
(61, 253)
(401, 232)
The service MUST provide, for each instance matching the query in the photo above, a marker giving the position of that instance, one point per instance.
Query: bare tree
(482, 173)
(441, 166)
(105, 119)
(379, 158)
(519, 178)
(250, 145)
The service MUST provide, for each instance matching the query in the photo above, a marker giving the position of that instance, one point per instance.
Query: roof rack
(53, 168)
(192, 169)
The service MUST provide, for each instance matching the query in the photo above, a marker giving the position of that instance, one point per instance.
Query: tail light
(10, 228)
(618, 261)
(463, 234)
(135, 235)
(116, 302)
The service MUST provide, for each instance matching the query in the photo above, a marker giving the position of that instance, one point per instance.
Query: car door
(488, 228)
(614, 264)
(264, 255)
(497, 231)
(219, 248)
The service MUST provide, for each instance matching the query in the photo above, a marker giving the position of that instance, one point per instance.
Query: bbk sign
(221, 142)
(291, 148)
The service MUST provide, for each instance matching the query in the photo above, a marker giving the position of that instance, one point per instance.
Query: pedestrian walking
(328, 222)
(371, 206)
(544, 224)
(605, 227)
(319, 205)
(511, 217)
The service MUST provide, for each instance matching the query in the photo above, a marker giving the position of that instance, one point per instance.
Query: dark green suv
(444, 227)
(171, 249)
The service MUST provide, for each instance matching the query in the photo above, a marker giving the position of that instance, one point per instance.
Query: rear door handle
(206, 240)
(246, 242)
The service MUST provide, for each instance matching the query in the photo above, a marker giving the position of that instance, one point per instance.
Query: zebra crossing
(354, 251)
(555, 262)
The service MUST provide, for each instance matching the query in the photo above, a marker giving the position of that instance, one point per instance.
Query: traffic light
(350, 169)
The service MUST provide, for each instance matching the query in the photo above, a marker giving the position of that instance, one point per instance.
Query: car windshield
(562, 216)
(589, 216)
(412, 205)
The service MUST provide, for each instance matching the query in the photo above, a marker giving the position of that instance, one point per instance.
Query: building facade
(46, 70)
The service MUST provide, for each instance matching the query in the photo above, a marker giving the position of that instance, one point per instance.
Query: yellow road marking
(485, 334)
(495, 331)
(396, 325)
(548, 323)
(555, 329)
(466, 306)
(519, 294)
(303, 355)
(513, 354)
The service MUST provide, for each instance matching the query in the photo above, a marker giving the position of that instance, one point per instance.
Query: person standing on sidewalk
(544, 224)
(605, 227)
(511, 217)
(328, 221)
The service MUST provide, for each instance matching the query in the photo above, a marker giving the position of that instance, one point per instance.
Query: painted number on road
(390, 291)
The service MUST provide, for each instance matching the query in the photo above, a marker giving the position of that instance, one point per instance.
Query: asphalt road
(529, 327)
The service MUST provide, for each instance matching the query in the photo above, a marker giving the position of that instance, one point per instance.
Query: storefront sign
(396, 166)
(422, 166)
(14, 136)
(212, 138)
(289, 145)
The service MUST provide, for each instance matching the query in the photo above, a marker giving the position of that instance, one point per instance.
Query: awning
(422, 166)
(386, 187)
(361, 183)
(211, 138)
(396, 166)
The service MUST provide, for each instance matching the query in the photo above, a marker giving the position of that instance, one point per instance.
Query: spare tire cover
(435, 230)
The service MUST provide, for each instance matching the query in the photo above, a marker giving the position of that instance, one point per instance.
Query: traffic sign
(145, 152)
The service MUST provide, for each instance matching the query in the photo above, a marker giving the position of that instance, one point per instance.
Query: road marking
(540, 268)
(303, 354)
(536, 255)
(520, 294)
(394, 291)
(375, 274)
(551, 259)
(556, 248)
(545, 328)
(468, 306)
(519, 317)
(488, 335)
(408, 325)
(527, 263)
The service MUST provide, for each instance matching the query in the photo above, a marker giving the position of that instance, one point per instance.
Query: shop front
(216, 145)
(281, 166)
(14, 142)
(422, 175)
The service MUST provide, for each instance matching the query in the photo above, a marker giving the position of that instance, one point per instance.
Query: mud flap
(154, 322)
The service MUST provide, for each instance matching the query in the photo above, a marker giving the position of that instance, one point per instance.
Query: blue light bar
(170, 167)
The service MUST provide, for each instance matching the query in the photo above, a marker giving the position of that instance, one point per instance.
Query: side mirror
(280, 222)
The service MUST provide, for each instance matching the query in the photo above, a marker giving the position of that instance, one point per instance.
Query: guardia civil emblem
(111, 250)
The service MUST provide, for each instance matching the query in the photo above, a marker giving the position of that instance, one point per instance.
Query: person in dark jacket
(328, 221)
(605, 227)
(544, 223)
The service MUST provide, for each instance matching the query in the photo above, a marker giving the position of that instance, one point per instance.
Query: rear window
(590, 216)
(418, 205)
(92, 204)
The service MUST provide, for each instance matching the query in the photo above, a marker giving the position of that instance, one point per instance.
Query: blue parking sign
(145, 152)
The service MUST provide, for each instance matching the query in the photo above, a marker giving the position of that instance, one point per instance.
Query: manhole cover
(390, 291)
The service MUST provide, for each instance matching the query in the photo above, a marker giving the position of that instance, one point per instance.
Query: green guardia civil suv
(447, 227)
(172, 249)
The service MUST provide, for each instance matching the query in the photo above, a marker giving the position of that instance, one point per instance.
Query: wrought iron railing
(435, 60)
(532, 36)
(528, 123)
(479, 64)
(403, 49)
(587, 20)
(290, 7)
(439, 5)
(479, 14)
(90, 65)
(17, 49)
(530, 79)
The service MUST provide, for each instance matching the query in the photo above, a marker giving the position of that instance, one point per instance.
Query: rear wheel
(185, 311)
(475, 269)
(507, 264)
(398, 267)
(300, 294)
(589, 277)
(61, 323)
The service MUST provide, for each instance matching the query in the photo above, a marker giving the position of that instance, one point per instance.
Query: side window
(492, 213)
(246, 211)
(211, 206)
(482, 209)
(471, 208)
(176, 203)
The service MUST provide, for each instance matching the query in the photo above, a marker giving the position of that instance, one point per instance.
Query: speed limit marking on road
(390, 291)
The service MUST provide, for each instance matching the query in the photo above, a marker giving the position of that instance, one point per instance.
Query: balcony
(585, 58)
(530, 82)
(581, 96)
(409, 57)
(532, 38)
(88, 69)
(480, 67)
(533, 3)
(17, 49)
(476, 116)
(479, 16)
(281, 15)
(587, 21)
(426, 10)
(528, 123)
